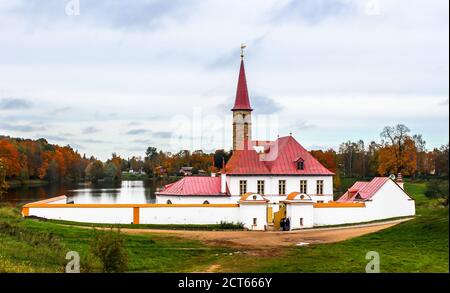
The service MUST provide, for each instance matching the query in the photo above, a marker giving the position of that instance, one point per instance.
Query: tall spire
(242, 101)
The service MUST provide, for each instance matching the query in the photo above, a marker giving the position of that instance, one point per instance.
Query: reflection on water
(104, 192)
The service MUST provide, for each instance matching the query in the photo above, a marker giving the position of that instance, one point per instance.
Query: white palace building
(262, 183)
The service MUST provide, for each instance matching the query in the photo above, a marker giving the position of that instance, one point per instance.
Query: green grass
(418, 245)
(208, 227)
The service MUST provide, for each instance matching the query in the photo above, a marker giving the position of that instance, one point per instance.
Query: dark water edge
(133, 191)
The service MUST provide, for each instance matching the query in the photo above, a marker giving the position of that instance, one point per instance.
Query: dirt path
(265, 240)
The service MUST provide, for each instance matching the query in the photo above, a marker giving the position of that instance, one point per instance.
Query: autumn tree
(3, 184)
(94, 171)
(398, 154)
(10, 158)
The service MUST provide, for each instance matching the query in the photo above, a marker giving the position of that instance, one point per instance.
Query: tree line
(397, 151)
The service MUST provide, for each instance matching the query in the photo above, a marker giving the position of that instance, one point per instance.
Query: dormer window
(300, 164)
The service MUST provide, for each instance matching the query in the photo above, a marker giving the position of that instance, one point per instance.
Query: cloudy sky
(117, 76)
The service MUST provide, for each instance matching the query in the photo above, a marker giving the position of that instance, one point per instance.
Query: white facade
(271, 183)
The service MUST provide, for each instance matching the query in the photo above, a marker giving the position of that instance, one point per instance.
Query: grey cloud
(265, 105)
(131, 14)
(51, 137)
(90, 130)
(21, 128)
(158, 134)
(90, 140)
(314, 11)
(60, 110)
(14, 103)
(137, 131)
(260, 103)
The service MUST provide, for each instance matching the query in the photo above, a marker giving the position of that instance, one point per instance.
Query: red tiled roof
(280, 158)
(365, 190)
(242, 101)
(245, 161)
(193, 185)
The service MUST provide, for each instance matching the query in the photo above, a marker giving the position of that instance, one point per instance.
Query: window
(320, 187)
(300, 165)
(260, 185)
(206, 202)
(303, 186)
(169, 201)
(255, 221)
(301, 221)
(281, 187)
(242, 186)
(320, 201)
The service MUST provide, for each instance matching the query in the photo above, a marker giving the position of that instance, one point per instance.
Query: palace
(280, 167)
(264, 185)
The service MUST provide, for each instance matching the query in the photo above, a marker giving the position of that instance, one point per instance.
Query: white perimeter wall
(292, 184)
(151, 215)
(189, 215)
(91, 215)
(295, 212)
(250, 211)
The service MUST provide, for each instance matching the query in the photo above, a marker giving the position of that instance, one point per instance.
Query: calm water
(119, 192)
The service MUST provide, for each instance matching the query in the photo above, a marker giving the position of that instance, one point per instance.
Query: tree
(350, 155)
(108, 246)
(3, 184)
(390, 163)
(10, 157)
(421, 153)
(395, 138)
(440, 161)
(110, 171)
(438, 189)
(94, 171)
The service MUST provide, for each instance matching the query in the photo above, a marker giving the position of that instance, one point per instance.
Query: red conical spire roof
(242, 101)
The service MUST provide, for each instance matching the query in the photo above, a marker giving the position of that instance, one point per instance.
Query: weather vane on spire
(242, 50)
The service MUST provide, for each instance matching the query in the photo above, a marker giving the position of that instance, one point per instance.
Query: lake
(86, 192)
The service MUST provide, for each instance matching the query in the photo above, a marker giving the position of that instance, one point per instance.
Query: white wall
(292, 184)
(297, 211)
(249, 211)
(189, 215)
(91, 215)
(390, 201)
(151, 215)
(339, 215)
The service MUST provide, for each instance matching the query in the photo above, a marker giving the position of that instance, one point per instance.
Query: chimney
(399, 180)
(223, 183)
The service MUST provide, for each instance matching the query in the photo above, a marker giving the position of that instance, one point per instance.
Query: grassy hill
(419, 245)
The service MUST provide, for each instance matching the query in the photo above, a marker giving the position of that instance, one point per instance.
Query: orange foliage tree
(10, 158)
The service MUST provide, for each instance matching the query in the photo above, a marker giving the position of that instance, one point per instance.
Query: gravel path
(269, 239)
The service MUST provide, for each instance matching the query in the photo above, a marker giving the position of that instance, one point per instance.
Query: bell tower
(242, 118)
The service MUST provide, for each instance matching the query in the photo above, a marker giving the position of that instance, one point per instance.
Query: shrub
(7, 266)
(107, 246)
(9, 213)
(438, 189)
(226, 225)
